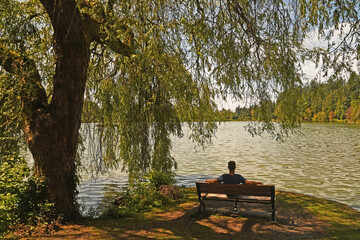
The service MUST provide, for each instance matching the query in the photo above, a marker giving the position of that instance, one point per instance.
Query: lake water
(324, 161)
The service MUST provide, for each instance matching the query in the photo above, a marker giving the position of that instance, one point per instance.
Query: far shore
(331, 122)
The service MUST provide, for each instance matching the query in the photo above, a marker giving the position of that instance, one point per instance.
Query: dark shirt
(231, 179)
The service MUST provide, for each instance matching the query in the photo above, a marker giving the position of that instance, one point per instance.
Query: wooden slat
(239, 200)
(237, 189)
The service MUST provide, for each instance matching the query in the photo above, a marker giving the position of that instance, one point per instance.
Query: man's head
(231, 165)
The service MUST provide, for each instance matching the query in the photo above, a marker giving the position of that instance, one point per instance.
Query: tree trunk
(53, 147)
(52, 131)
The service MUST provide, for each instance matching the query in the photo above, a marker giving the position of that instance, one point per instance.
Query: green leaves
(10, 114)
(13, 172)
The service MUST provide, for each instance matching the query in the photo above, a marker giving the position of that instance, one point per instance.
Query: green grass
(343, 221)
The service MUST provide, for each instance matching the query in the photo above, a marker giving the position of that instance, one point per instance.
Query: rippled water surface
(324, 161)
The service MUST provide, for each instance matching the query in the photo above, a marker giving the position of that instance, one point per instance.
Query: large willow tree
(148, 66)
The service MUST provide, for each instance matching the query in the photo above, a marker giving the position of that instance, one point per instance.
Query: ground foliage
(12, 174)
(24, 201)
(152, 190)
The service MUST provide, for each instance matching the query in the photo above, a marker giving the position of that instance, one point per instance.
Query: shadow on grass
(298, 217)
(187, 223)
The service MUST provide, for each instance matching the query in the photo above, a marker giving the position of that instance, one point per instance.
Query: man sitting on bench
(232, 178)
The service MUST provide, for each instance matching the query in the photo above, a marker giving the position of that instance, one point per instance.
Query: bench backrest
(236, 189)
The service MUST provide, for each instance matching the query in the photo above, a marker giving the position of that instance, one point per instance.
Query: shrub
(23, 198)
(34, 207)
(142, 196)
(13, 172)
(156, 178)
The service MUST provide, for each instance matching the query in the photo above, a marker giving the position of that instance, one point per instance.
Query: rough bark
(46, 133)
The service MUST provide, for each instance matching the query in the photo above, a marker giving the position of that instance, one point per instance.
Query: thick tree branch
(32, 93)
(98, 27)
(72, 48)
(98, 35)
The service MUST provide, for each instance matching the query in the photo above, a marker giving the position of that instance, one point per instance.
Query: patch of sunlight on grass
(153, 233)
(162, 230)
(216, 228)
(344, 221)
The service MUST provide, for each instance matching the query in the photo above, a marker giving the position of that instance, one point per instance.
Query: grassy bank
(298, 217)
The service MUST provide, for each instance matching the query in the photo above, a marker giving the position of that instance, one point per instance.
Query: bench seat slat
(237, 189)
(235, 192)
(244, 197)
(239, 200)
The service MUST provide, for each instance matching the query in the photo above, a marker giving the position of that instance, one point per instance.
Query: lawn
(298, 217)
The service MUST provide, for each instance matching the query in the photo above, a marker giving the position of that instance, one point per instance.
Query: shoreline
(324, 198)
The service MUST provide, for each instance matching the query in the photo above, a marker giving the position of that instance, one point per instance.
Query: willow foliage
(157, 65)
(145, 98)
(336, 25)
(185, 55)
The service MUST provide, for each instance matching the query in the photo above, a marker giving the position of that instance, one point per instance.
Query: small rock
(172, 192)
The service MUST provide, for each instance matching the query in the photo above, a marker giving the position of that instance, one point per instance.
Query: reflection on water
(323, 162)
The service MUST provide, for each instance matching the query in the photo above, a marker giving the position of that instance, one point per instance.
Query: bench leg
(236, 205)
(201, 206)
(273, 217)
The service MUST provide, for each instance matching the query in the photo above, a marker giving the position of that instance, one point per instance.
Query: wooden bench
(263, 194)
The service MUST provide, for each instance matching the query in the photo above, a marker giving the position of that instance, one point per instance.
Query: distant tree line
(333, 101)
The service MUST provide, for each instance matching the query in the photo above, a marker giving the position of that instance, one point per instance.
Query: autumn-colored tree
(348, 113)
(331, 116)
(320, 117)
(308, 114)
